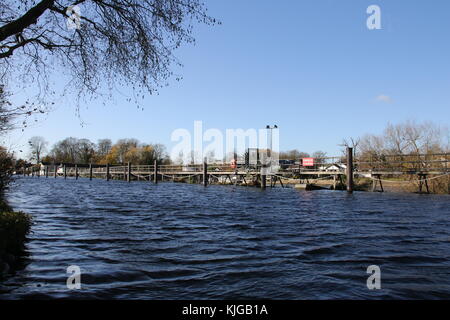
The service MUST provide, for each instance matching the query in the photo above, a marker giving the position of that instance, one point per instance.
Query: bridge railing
(404, 163)
(410, 163)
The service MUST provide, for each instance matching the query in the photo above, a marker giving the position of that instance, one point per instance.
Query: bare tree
(119, 42)
(12, 116)
(104, 147)
(293, 155)
(395, 138)
(352, 143)
(160, 151)
(38, 146)
(372, 145)
(319, 156)
(86, 151)
(65, 150)
(407, 138)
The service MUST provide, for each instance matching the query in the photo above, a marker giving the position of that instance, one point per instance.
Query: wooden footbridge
(420, 168)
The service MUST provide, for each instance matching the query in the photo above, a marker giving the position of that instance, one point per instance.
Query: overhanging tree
(125, 42)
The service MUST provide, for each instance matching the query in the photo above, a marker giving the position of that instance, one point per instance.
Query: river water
(177, 241)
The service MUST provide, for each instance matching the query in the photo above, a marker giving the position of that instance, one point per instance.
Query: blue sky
(312, 67)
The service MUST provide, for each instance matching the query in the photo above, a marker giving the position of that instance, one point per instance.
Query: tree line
(83, 151)
(405, 138)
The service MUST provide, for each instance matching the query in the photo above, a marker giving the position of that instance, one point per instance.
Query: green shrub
(6, 169)
(14, 227)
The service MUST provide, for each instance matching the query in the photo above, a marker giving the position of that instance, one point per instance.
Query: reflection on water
(177, 241)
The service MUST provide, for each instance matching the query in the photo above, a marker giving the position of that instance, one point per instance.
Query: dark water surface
(176, 241)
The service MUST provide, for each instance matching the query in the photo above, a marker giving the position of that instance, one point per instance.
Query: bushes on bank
(6, 169)
(14, 227)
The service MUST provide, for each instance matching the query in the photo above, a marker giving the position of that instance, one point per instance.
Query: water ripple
(177, 241)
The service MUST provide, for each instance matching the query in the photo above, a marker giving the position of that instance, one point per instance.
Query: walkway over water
(423, 167)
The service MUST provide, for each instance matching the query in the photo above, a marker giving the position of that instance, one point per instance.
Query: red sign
(308, 162)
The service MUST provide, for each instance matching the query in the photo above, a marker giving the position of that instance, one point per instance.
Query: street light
(268, 127)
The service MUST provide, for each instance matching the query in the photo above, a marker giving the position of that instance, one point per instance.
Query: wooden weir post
(205, 172)
(263, 176)
(129, 172)
(24, 171)
(55, 173)
(349, 170)
(76, 172)
(107, 172)
(155, 172)
(423, 180)
(376, 181)
(46, 171)
(65, 171)
(90, 171)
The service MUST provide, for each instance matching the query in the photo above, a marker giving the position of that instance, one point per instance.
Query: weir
(424, 167)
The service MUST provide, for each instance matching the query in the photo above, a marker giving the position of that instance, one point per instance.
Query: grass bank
(14, 228)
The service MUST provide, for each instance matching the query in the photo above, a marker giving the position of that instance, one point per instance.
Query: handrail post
(349, 170)
(205, 172)
(155, 172)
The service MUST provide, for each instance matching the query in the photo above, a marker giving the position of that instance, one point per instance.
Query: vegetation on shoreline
(84, 151)
(14, 226)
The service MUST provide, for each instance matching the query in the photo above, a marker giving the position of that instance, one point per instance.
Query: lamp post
(268, 161)
(270, 128)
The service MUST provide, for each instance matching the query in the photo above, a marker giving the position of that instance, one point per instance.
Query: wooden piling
(129, 172)
(376, 181)
(76, 172)
(90, 171)
(46, 171)
(205, 172)
(155, 172)
(24, 171)
(55, 173)
(263, 181)
(423, 181)
(65, 172)
(107, 172)
(349, 170)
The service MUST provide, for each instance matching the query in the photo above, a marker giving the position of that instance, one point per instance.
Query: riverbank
(14, 227)
(400, 184)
